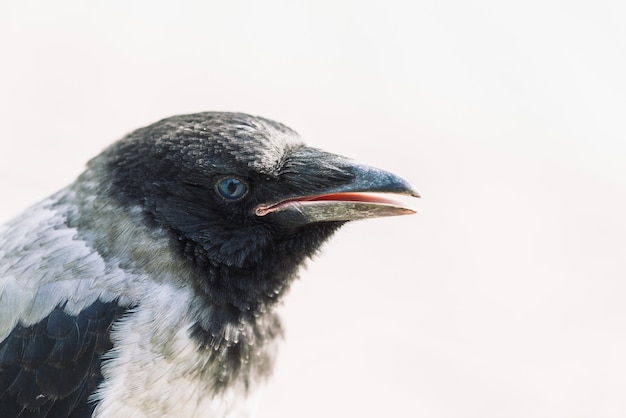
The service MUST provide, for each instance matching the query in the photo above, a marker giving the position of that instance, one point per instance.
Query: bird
(149, 286)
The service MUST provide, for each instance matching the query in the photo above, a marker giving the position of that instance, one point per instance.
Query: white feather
(156, 369)
(36, 271)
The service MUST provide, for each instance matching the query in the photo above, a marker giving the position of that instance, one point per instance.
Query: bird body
(148, 286)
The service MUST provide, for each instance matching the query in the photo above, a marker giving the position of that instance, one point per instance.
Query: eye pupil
(231, 188)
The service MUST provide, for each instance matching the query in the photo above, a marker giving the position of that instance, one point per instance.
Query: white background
(504, 297)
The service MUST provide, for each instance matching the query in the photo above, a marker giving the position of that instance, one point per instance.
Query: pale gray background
(504, 297)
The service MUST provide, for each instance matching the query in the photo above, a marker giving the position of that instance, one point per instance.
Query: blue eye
(231, 188)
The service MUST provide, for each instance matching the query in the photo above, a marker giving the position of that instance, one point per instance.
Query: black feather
(50, 368)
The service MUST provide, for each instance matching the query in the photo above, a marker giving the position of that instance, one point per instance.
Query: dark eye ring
(231, 188)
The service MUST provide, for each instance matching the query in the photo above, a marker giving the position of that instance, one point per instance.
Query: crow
(149, 286)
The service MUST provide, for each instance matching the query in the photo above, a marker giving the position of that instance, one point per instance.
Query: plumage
(147, 287)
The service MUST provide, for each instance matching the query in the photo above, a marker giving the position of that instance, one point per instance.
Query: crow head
(244, 200)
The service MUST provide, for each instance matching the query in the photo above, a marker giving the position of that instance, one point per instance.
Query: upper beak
(373, 193)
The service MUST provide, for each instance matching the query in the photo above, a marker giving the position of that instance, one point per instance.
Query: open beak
(373, 193)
